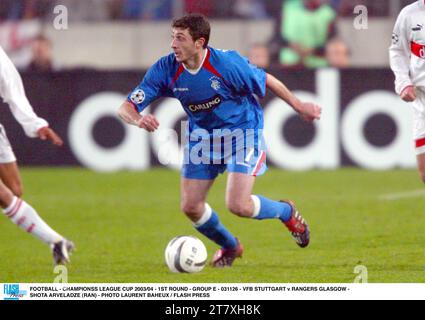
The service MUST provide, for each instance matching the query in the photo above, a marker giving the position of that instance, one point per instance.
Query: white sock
(257, 206)
(205, 216)
(24, 216)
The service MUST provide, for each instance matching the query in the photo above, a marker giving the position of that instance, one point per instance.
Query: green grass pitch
(122, 222)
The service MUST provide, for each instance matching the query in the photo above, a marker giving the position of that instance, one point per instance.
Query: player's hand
(46, 133)
(408, 94)
(309, 111)
(148, 122)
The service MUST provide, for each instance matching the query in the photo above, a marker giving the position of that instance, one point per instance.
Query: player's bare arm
(128, 114)
(308, 111)
(47, 133)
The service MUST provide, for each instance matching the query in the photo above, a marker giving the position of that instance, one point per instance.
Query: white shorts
(6, 152)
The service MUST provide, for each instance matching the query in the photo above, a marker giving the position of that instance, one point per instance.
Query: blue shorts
(252, 163)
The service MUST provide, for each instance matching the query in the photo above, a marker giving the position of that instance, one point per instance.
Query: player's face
(183, 45)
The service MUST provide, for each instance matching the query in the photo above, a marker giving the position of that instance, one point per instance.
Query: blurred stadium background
(107, 45)
(77, 77)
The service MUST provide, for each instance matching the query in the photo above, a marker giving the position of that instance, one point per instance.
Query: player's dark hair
(198, 26)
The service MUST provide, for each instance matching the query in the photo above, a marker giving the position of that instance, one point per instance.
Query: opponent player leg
(204, 218)
(20, 212)
(421, 165)
(9, 174)
(418, 107)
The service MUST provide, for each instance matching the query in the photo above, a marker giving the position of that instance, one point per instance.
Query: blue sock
(270, 209)
(214, 230)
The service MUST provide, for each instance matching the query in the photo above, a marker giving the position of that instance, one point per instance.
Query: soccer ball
(186, 254)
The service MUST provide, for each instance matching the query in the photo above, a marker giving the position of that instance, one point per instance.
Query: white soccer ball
(186, 254)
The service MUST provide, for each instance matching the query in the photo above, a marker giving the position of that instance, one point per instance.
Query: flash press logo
(12, 292)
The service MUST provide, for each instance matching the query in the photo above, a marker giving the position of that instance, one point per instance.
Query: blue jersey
(221, 95)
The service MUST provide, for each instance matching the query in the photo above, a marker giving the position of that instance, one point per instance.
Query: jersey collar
(195, 72)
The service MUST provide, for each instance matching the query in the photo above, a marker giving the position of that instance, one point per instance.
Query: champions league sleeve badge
(138, 96)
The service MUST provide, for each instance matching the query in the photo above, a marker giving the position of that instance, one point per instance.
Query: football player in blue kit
(219, 91)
